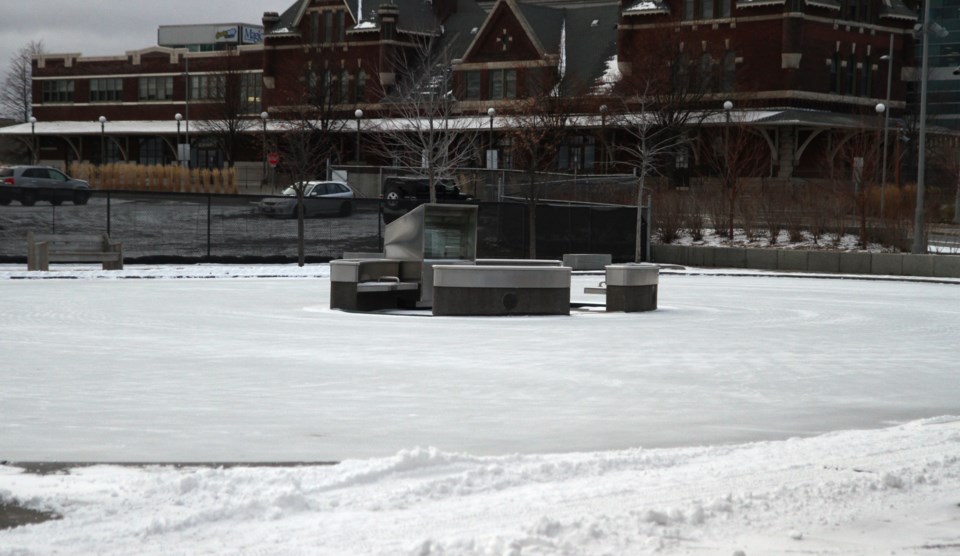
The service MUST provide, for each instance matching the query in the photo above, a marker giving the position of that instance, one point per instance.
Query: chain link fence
(167, 227)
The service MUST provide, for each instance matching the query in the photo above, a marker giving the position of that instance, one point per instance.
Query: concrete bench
(42, 249)
(371, 285)
(587, 261)
(468, 290)
(518, 262)
(629, 288)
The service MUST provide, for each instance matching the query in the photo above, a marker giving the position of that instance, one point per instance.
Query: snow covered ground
(767, 415)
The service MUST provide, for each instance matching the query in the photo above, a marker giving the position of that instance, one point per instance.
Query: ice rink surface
(234, 368)
(747, 416)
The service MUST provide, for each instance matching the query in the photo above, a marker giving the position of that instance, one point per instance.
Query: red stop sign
(273, 159)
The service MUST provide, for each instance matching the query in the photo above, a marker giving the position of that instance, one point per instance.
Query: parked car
(319, 198)
(29, 184)
(402, 194)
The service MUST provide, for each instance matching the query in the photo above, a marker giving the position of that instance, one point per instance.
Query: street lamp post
(33, 138)
(179, 117)
(728, 180)
(727, 107)
(881, 109)
(264, 116)
(603, 137)
(491, 112)
(926, 28)
(886, 122)
(358, 114)
(103, 122)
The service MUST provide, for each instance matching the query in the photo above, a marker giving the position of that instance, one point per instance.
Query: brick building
(806, 75)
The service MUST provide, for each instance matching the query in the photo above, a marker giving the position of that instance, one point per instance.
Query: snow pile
(854, 492)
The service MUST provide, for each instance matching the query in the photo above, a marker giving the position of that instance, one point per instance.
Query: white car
(319, 198)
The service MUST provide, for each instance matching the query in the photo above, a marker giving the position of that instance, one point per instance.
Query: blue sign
(252, 35)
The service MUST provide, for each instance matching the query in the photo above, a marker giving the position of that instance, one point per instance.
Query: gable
(505, 36)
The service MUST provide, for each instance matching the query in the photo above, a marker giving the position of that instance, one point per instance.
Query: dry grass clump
(155, 177)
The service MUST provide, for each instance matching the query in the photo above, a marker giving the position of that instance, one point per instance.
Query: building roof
(591, 34)
(545, 24)
(415, 15)
(897, 9)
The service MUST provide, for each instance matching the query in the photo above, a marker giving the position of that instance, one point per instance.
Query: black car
(401, 194)
(29, 184)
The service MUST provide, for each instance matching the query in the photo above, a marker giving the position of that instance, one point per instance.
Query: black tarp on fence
(184, 227)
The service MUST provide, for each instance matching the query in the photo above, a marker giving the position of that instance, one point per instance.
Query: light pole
(727, 107)
(358, 114)
(603, 136)
(33, 138)
(178, 116)
(264, 116)
(727, 177)
(925, 29)
(490, 162)
(886, 122)
(103, 122)
(881, 109)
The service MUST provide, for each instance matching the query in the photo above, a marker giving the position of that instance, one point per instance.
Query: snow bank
(853, 492)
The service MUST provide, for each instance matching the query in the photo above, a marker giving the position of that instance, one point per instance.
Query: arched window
(728, 80)
(705, 73)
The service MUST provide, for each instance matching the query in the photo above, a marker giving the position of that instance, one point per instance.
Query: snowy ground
(767, 415)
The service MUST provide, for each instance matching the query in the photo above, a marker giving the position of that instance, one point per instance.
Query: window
(206, 154)
(472, 84)
(681, 73)
(156, 88)
(251, 91)
(344, 87)
(315, 27)
(503, 84)
(59, 90)
(851, 75)
(361, 86)
(206, 87)
(835, 73)
(342, 25)
(577, 153)
(867, 76)
(328, 26)
(153, 151)
(704, 9)
(705, 73)
(707, 6)
(729, 80)
(108, 89)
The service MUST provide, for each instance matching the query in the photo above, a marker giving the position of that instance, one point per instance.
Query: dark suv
(401, 194)
(29, 184)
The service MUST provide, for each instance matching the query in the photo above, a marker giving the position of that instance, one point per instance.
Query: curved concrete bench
(587, 261)
(501, 290)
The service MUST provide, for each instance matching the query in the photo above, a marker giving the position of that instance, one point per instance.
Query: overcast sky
(111, 27)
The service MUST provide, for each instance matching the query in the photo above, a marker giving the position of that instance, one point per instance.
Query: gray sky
(111, 27)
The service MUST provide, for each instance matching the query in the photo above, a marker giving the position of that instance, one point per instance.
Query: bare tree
(423, 135)
(311, 119)
(16, 97)
(536, 130)
(858, 159)
(654, 134)
(739, 154)
(662, 101)
(230, 114)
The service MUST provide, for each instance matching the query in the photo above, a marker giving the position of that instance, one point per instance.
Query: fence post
(209, 200)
